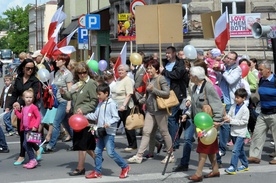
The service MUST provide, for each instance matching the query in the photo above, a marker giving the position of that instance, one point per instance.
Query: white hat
(215, 52)
(36, 54)
(246, 57)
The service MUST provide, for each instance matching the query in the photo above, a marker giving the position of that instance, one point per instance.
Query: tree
(4, 25)
(18, 32)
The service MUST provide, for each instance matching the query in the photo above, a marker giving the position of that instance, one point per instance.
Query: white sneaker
(272, 154)
(135, 159)
(171, 160)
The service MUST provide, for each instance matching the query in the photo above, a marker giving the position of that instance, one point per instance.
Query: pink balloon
(78, 122)
(245, 69)
(218, 90)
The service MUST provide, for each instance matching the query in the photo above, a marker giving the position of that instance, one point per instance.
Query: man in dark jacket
(177, 78)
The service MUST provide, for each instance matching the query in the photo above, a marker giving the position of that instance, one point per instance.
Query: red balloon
(245, 69)
(78, 122)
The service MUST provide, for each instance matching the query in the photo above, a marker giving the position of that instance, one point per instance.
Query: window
(234, 6)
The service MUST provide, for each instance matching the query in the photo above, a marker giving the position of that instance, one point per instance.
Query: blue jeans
(3, 142)
(59, 118)
(238, 153)
(7, 121)
(188, 142)
(108, 142)
(173, 125)
(224, 134)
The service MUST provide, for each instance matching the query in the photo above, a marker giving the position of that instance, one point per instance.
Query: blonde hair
(30, 90)
(8, 76)
(22, 56)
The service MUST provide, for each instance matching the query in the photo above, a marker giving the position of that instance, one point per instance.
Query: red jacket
(34, 117)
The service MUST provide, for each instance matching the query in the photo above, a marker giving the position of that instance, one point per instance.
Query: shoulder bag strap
(158, 85)
(104, 110)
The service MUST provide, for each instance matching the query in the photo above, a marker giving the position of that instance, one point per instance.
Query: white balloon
(190, 52)
(43, 74)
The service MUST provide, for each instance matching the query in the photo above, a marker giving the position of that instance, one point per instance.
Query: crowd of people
(221, 81)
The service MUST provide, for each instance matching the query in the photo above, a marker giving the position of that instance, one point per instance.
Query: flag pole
(131, 48)
(213, 27)
(159, 37)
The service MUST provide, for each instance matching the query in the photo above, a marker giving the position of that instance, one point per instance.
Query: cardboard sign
(160, 23)
(207, 26)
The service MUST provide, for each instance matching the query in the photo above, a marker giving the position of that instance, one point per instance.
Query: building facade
(194, 36)
(39, 20)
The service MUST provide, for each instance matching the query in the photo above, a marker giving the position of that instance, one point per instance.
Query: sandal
(66, 139)
(77, 172)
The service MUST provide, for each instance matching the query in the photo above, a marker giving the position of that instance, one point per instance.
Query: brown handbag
(135, 120)
(166, 103)
(206, 107)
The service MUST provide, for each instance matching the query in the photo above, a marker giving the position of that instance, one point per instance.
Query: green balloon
(203, 120)
(93, 64)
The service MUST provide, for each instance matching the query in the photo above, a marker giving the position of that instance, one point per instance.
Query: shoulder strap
(158, 82)
(104, 109)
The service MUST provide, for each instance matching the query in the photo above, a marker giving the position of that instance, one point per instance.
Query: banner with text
(241, 24)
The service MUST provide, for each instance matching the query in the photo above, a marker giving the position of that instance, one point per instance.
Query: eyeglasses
(84, 72)
(29, 68)
(230, 58)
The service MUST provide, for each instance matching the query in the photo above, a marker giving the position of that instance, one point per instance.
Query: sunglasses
(85, 72)
(29, 68)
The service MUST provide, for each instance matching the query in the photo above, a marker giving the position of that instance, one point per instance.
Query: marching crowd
(240, 93)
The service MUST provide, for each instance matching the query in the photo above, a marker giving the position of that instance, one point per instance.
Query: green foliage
(4, 25)
(18, 32)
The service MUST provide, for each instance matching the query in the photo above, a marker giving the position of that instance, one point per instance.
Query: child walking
(4, 100)
(30, 119)
(238, 116)
(107, 116)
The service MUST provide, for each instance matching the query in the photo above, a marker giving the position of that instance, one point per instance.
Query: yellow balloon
(126, 24)
(210, 136)
(135, 59)
(40, 66)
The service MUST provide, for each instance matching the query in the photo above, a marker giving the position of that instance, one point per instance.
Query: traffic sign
(136, 3)
(82, 38)
(93, 22)
(81, 21)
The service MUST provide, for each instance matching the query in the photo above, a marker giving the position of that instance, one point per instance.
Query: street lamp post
(36, 36)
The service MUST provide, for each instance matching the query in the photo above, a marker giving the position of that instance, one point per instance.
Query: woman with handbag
(155, 118)
(204, 93)
(121, 94)
(25, 79)
(84, 97)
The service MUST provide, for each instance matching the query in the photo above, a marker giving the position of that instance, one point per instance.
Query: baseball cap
(200, 51)
(36, 54)
(215, 52)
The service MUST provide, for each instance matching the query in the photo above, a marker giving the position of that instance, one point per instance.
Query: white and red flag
(66, 40)
(65, 50)
(52, 42)
(120, 60)
(222, 33)
(57, 18)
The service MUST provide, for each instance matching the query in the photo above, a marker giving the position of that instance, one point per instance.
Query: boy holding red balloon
(238, 117)
(107, 116)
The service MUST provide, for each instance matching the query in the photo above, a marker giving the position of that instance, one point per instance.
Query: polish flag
(222, 34)
(65, 50)
(120, 60)
(66, 40)
(57, 18)
(52, 42)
